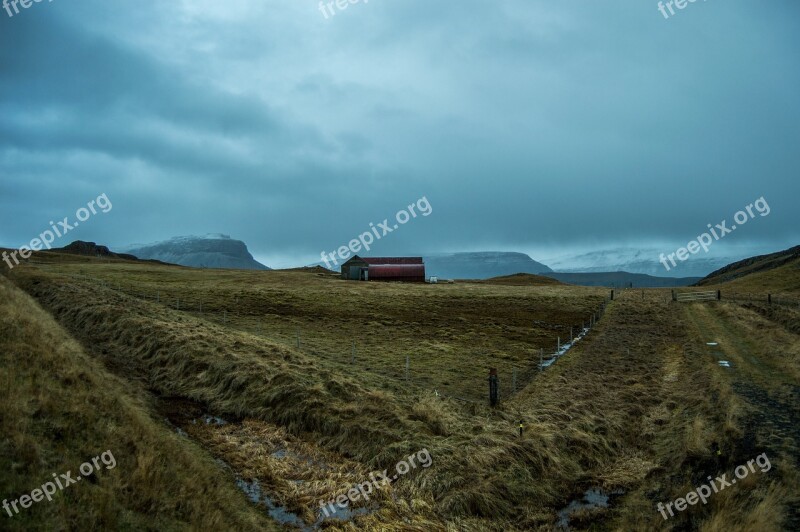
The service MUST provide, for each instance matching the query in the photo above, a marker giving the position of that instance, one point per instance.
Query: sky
(536, 126)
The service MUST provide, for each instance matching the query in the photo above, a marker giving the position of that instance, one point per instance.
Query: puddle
(712, 343)
(213, 420)
(187, 412)
(279, 513)
(724, 363)
(564, 348)
(341, 514)
(592, 499)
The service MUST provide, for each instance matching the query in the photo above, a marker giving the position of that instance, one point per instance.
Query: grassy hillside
(776, 273)
(635, 407)
(60, 408)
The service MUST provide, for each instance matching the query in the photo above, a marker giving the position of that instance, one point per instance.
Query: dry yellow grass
(635, 406)
(60, 408)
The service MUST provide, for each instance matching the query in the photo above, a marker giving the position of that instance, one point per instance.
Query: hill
(210, 251)
(776, 271)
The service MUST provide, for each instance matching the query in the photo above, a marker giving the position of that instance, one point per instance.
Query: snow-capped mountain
(644, 260)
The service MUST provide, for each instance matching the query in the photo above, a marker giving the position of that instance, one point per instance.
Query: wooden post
(353, 354)
(297, 333)
(642, 295)
(558, 345)
(612, 295)
(769, 298)
(570, 335)
(408, 366)
(224, 316)
(178, 304)
(158, 297)
(541, 359)
(201, 307)
(494, 387)
(719, 295)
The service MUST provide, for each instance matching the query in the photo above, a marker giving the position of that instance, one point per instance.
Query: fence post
(541, 359)
(769, 298)
(570, 335)
(408, 366)
(298, 338)
(493, 386)
(178, 304)
(158, 297)
(719, 295)
(353, 354)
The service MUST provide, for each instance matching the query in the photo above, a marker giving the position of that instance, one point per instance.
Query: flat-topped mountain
(210, 251)
(481, 264)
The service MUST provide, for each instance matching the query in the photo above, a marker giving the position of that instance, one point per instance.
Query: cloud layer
(530, 126)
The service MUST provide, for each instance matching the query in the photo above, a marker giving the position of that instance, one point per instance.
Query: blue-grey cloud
(526, 124)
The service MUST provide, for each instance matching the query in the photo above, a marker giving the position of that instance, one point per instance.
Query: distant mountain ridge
(646, 261)
(481, 264)
(209, 251)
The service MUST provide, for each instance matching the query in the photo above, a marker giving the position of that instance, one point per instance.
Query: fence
(737, 297)
(696, 296)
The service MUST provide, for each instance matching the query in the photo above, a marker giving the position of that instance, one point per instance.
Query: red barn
(406, 269)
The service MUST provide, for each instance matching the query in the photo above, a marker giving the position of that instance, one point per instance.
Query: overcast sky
(534, 126)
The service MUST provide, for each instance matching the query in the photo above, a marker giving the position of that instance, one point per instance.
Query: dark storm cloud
(526, 124)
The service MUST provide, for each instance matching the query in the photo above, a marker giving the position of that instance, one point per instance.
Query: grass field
(635, 409)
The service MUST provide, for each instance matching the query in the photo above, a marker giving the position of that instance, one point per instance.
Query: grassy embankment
(61, 408)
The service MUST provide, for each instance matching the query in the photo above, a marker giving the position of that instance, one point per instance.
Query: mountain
(621, 279)
(646, 261)
(779, 270)
(480, 264)
(90, 249)
(210, 251)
